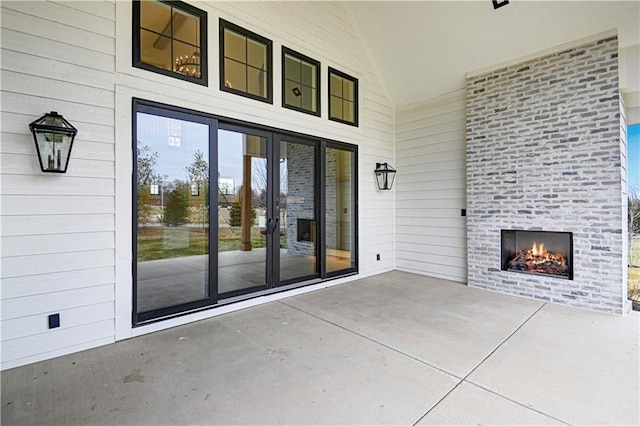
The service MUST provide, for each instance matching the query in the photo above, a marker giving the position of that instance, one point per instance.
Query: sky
(153, 131)
(633, 159)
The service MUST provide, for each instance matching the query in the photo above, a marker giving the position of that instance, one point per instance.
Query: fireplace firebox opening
(305, 229)
(537, 252)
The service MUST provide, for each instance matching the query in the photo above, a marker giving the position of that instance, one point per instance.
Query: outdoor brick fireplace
(545, 152)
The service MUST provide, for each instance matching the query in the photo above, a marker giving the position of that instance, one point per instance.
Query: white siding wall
(57, 230)
(431, 191)
(66, 239)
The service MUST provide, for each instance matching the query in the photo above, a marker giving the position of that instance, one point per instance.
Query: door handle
(272, 225)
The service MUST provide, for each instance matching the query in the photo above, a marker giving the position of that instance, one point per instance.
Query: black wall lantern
(385, 175)
(54, 137)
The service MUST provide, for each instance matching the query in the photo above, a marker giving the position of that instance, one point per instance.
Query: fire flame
(538, 250)
(541, 254)
(539, 259)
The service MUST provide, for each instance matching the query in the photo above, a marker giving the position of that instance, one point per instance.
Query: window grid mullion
(171, 40)
(246, 64)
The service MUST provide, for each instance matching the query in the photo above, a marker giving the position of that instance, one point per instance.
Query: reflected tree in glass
(172, 239)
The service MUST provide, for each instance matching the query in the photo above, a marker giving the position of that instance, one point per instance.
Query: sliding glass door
(340, 226)
(171, 213)
(298, 230)
(224, 211)
(245, 224)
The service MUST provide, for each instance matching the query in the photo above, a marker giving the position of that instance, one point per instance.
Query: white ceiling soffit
(423, 49)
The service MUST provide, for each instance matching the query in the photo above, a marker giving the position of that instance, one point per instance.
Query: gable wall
(66, 239)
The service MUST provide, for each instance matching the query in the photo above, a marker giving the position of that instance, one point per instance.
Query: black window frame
(136, 51)
(311, 61)
(333, 71)
(224, 24)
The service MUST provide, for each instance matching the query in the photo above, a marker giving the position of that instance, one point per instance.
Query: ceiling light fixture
(189, 65)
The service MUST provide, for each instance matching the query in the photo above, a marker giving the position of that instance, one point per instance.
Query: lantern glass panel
(385, 175)
(53, 150)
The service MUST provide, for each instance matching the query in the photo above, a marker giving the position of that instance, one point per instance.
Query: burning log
(539, 260)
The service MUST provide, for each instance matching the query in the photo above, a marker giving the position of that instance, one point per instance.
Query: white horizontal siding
(37, 22)
(45, 48)
(22, 204)
(100, 8)
(17, 143)
(58, 236)
(18, 266)
(69, 15)
(31, 105)
(56, 185)
(21, 164)
(42, 303)
(63, 234)
(431, 188)
(29, 285)
(56, 342)
(56, 243)
(91, 132)
(17, 328)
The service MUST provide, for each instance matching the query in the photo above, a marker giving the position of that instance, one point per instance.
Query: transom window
(245, 63)
(300, 82)
(343, 97)
(170, 38)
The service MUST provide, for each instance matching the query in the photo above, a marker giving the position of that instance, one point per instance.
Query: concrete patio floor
(396, 348)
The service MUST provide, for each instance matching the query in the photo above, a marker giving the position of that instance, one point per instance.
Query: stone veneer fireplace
(545, 151)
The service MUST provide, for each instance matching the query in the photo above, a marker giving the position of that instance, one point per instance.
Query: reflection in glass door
(340, 216)
(243, 212)
(298, 229)
(282, 213)
(172, 213)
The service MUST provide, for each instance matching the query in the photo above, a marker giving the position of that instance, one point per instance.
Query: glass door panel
(298, 225)
(339, 209)
(172, 199)
(242, 212)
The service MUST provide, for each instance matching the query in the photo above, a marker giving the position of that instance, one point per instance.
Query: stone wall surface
(331, 197)
(300, 192)
(544, 153)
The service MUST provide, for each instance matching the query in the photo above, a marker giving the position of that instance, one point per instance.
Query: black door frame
(253, 131)
(274, 137)
(280, 137)
(151, 108)
(354, 207)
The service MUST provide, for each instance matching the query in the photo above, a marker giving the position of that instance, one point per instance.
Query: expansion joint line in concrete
(464, 379)
(421, 361)
(460, 379)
